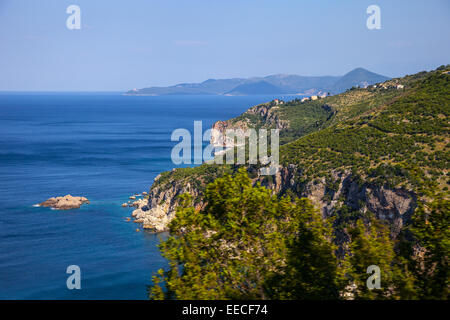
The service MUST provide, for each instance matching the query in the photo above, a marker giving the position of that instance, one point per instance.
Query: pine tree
(250, 244)
(431, 223)
(311, 270)
(229, 249)
(247, 244)
(371, 246)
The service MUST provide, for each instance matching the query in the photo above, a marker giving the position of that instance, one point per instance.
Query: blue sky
(139, 43)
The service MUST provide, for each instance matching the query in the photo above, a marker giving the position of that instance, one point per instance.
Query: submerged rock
(64, 203)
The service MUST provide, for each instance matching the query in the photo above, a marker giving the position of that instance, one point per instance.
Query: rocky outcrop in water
(64, 203)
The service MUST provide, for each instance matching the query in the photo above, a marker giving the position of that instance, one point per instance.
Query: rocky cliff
(261, 116)
(393, 205)
(159, 209)
(368, 151)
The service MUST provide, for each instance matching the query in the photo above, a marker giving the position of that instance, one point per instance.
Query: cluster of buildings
(278, 101)
(315, 97)
(388, 86)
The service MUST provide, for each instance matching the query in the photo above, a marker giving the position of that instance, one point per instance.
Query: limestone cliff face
(394, 205)
(159, 209)
(268, 117)
(269, 113)
(219, 128)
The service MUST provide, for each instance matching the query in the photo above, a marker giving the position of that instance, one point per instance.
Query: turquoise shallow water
(103, 146)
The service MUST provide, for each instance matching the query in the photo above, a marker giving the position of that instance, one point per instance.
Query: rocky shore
(158, 209)
(66, 202)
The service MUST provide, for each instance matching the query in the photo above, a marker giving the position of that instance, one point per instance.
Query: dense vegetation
(398, 138)
(251, 244)
(400, 144)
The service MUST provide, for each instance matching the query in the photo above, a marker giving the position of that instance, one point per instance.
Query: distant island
(273, 84)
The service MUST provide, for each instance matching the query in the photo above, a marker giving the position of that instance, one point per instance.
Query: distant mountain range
(274, 84)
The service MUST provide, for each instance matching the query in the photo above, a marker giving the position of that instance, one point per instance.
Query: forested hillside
(364, 181)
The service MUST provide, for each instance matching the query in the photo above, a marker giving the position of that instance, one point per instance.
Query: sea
(103, 146)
